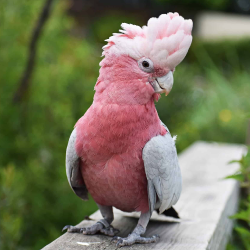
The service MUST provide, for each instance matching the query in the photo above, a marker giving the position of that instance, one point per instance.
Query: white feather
(174, 25)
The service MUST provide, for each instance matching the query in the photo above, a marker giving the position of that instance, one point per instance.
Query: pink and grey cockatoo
(120, 151)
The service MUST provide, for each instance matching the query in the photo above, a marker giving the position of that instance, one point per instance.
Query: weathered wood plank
(205, 204)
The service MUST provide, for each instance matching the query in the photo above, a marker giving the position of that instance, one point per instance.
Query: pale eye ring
(146, 65)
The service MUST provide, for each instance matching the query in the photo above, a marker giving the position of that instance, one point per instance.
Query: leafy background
(210, 101)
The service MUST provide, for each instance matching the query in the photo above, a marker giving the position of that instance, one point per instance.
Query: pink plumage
(123, 117)
(112, 134)
(119, 151)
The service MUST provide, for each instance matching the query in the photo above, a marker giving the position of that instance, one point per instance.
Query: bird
(120, 152)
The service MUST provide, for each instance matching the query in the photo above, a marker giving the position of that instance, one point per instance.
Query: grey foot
(134, 238)
(96, 228)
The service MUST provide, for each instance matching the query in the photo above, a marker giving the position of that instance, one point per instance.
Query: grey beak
(165, 83)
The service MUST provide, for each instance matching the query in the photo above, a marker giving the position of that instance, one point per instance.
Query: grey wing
(73, 172)
(162, 171)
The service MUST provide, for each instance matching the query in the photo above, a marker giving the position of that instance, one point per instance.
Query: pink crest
(165, 40)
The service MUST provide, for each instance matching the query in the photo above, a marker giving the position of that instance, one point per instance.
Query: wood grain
(206, 203)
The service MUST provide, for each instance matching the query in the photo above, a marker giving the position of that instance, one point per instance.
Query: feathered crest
(165, 40)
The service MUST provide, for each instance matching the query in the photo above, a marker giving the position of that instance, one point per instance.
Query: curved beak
(164, 84)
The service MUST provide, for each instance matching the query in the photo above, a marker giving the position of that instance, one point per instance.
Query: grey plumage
(73, 169)
(162, 171)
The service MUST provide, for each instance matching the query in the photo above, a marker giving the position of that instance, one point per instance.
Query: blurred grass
(209, 101)
(241, 236)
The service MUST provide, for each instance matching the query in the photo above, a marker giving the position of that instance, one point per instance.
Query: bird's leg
(102, 226)
(135, 236)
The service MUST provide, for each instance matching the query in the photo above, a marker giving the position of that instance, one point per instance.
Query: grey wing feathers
(73, 172)
(162, 171)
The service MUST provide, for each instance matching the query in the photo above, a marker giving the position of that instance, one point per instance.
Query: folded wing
(73, 171)
(162, 171)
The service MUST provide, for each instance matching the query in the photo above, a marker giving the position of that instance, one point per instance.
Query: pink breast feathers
(110, 143)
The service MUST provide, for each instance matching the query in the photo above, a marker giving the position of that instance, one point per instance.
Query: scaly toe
(134, 238)
(109, 231)
(71, 229)
(120, 243)
(93, 229)
(96, 228)
(125, 241)
(115, 238)
(144, 240)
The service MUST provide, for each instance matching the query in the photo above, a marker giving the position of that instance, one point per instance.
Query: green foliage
(209, 101)
(242, 229)
(35, 198)
(196, 4)
(12, 208)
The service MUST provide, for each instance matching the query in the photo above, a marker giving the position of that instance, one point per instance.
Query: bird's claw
(134, 238)
(96, 228)
(72, 229)
(115, 238)
(109, 231)
(66, 227)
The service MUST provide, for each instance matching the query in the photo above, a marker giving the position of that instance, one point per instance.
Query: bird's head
(141, 61)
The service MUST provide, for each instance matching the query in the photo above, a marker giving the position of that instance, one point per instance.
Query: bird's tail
(171, 212)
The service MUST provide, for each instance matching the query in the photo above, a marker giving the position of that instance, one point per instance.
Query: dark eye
(146, 65)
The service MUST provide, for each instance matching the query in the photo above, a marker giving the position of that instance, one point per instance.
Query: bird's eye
(146, 65)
